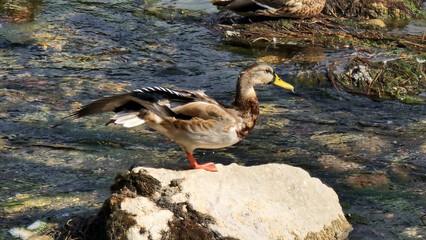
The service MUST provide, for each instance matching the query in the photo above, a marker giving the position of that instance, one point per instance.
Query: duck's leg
(193, 164)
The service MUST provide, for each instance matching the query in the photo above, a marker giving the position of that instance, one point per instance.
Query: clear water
(57, 55)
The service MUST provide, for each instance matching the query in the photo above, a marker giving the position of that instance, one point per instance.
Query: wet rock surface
(58, 55)
(273, 201)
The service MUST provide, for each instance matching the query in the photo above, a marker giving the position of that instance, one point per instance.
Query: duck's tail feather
(221, 3)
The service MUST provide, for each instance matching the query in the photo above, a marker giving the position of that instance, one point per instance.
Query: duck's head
(262, 74)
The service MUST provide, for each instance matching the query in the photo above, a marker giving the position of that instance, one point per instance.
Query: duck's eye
(268, 71)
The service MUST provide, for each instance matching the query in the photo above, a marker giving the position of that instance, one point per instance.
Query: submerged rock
(32, 232)
(273, 201)
(374, 22)
(368, 180)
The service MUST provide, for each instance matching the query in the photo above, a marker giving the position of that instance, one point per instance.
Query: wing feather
(204, 110)
(159, 100)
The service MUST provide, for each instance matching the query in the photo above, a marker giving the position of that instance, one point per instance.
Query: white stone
(273, 201)
(36, 225)
(21, 233)
(152, 218)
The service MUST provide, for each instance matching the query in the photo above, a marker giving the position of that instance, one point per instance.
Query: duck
(274, 8)
(190, 118)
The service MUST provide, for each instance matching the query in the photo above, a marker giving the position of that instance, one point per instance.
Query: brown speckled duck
(191, 118)
(274, 8)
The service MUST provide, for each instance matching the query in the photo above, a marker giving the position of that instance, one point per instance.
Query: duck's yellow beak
(280, 83)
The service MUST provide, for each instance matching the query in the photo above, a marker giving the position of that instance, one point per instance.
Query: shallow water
(57, 55)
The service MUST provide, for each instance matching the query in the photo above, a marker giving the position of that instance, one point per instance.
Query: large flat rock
(272, 201)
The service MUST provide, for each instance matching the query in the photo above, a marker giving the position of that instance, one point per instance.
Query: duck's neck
(247, 105)
(245, 97)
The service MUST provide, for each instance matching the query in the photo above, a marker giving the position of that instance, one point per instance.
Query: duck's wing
(155, 99)
(206, 111)
(163, 102)
(290, 8)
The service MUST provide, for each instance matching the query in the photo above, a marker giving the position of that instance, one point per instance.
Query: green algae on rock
(402, 78)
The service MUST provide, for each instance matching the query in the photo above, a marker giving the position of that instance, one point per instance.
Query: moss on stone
(402, 78)
(142, 184)
(111, 222)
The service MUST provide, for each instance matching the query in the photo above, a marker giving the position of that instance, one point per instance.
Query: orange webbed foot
(206, 166)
